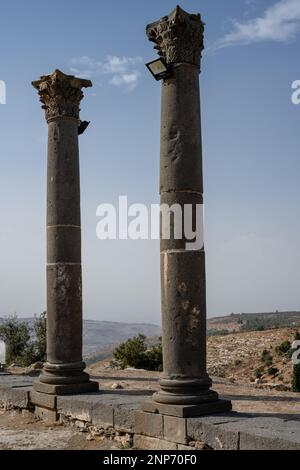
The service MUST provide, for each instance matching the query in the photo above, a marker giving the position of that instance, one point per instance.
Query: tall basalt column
(64, 370)
(185, 382)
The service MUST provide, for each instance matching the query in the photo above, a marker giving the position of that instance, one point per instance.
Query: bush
(20, 348)
(273, 371)
(258, 373)
(16, 336)
(134, 353)
(40, 331)
(283, 348)
(296, 371)
(267, 358)
(297, 336)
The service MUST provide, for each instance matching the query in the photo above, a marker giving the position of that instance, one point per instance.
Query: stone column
(185, 382)
(63, 372)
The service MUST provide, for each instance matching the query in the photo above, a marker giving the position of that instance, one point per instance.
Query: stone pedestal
(64, 370)
(185, 384)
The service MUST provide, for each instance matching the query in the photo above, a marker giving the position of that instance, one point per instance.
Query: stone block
(75, 408)
(43, 399)
(124, 417)
(213, 430)
(149, 424)
(262, 441)
(68, 389)
(102, 416)
(49, 416)
(186, 411)
(175, 429)
(15, 397)
(185, 448)
(151, 443)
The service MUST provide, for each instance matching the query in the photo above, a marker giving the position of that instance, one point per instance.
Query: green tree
(134, 353)
(40, 331)
(21, 349)
(16, 336)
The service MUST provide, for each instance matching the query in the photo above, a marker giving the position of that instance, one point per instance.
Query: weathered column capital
(61, 94)
(178, 37)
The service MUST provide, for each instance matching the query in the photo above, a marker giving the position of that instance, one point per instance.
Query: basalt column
(63, 372)
(185, 382)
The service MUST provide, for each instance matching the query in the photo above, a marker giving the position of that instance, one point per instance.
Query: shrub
(296, 371)
(273, 371)
(40, 330)
(134, 353)
(283, 348)
(267, 358)
(297, 336)
(20, 348)
(16, 336)
(258, 373)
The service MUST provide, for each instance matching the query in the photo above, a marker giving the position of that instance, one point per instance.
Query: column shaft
(64, 369)
(179, 41)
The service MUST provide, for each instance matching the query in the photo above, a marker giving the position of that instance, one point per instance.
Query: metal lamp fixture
(159, 69)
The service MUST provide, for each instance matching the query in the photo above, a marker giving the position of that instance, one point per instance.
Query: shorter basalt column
(63, 372)
(185, 387)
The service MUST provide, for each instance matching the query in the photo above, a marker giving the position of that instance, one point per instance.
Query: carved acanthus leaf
(178, 37)
(61, 94)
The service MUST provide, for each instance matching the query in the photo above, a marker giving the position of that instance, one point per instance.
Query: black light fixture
(82, 125)
(159, 69)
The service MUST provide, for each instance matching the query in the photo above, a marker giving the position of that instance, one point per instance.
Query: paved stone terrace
(120, 409)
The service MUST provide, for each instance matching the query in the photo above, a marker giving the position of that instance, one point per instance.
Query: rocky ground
(239, 356)
(21, 431)
(244, 357)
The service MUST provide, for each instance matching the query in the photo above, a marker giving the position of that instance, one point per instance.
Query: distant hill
(103, 335)
(100, 337)
(237, 322)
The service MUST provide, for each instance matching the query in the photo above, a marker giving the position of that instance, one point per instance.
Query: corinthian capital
(178, 37)
(61, 94)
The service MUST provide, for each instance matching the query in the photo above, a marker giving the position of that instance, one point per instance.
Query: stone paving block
(151, 443)
(149, 424)
(175, 429)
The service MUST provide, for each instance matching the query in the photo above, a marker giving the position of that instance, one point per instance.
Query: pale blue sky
(250, 143)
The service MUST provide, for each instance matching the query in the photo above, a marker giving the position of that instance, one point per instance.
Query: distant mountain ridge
(100, 337)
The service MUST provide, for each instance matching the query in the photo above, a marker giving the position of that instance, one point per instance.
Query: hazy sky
(250, 143)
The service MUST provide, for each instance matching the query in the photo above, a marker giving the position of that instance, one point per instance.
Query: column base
(66, 389)
(187, 411)
(65, 379)
(186, 397)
